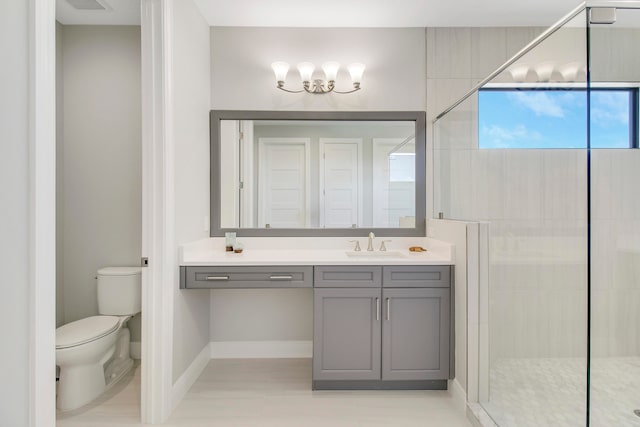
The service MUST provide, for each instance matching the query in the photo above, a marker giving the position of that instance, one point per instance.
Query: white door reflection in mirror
(340, 182)
(394, 198)
(283, 197)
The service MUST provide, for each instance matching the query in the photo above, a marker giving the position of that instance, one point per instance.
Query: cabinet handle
(388, 308)
(377, 308)
(289, 277)
(217, 278)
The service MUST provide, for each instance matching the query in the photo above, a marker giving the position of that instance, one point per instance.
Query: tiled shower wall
(535, 202)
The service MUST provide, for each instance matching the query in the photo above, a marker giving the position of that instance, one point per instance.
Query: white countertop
(313, 251)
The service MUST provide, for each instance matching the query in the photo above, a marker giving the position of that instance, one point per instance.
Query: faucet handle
(357, 248)
(383, 246)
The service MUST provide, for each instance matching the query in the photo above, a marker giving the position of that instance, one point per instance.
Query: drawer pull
(283, 277)
(213, 278)
(388, 308)
(377, 309)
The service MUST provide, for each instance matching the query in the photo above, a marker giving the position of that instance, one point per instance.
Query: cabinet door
(346, 334)
(415, 334)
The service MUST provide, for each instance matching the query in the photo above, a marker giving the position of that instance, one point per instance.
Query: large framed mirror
(295, 173)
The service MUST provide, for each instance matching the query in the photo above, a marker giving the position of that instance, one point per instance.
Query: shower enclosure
(544, 152)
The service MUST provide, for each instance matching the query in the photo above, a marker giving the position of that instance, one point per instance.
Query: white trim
(321, 144)
(158, 240)
(261, 349)
(42, 212)
(478, 416)
(135, 350)
(189, 377)
(247, 171)
(473, 321)
(483, 313)
(458, 394)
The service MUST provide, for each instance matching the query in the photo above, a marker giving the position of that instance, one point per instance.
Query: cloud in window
(609, 108)
(540, 103)
(501, 137)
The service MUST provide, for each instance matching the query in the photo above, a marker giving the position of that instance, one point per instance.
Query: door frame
(158, 225)
(42, 218)
(157, 299)
(262, 143)
(321, 198)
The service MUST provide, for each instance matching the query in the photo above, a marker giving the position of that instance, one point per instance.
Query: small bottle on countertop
(230, 240)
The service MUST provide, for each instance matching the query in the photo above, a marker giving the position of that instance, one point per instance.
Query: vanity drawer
(246, 277)
(419, 276)
(355, 276)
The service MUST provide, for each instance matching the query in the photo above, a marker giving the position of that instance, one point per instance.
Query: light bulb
(306, 71)
(330, 70)
(280, 69)
(356, 70)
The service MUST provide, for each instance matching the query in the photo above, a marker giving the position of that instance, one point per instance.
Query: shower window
(557, 118)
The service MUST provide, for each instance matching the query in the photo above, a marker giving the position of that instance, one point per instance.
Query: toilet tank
(120, 291)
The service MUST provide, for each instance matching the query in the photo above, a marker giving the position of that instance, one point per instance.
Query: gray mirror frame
(419, 117)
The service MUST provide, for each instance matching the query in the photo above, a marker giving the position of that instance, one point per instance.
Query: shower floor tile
(552, 392)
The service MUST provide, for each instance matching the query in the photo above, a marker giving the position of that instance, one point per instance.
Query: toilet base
(80, 385)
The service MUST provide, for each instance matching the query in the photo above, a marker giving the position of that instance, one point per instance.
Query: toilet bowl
(93, 353)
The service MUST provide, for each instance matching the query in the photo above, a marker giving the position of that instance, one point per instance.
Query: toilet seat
(85, 330)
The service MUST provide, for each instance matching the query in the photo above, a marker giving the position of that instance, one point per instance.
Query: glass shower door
(615, 221)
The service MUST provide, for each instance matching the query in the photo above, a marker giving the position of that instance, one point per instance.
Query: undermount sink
(375, 254)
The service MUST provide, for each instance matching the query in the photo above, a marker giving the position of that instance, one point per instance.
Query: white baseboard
(478, 416)
(135, 350)
(458, 393)
(261, 349)
(189, 376)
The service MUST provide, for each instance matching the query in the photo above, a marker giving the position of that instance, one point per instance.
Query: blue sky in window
(552, 119)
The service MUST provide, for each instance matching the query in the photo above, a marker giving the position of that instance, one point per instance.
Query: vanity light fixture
(318, 86)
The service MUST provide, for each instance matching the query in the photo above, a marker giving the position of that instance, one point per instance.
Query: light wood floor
(274, 392)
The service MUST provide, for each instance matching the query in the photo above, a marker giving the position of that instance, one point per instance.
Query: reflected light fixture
(318, 86)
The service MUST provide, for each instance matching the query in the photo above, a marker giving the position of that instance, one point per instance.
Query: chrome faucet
(371, 237)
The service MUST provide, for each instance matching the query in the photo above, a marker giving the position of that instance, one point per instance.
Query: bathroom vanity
(380, 321)
(295, 186)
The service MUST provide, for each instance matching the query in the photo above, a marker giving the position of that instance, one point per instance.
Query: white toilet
(93, 353)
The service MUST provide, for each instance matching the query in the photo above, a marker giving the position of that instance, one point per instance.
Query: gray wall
(14, 199)
(191, 138)
(99, 192)
(242, 79)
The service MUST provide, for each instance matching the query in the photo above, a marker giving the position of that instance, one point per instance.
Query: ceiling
(341, 13)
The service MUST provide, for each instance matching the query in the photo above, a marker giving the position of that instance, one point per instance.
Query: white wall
(99, 194)
(242, 79)
(14, 199)
(191, 81)
(616, 253)
(455, 232)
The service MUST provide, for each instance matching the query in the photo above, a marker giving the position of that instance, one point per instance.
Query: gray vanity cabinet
(415, 334)
(382, 334)
(346, 343)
